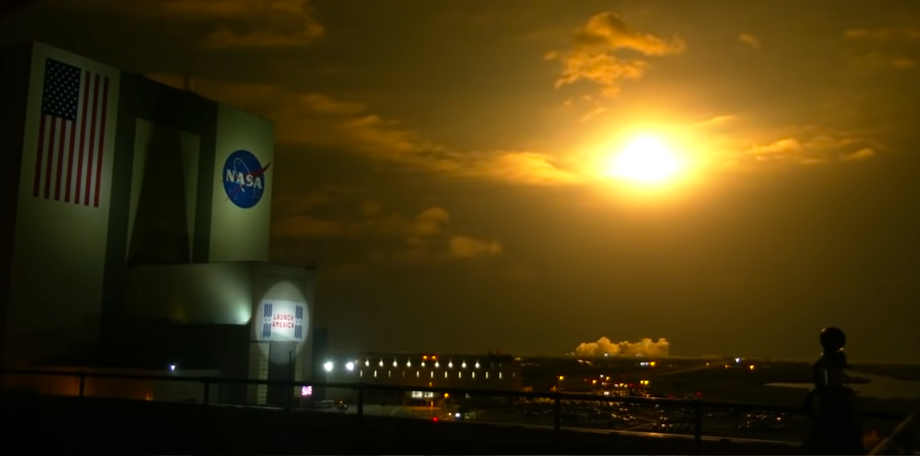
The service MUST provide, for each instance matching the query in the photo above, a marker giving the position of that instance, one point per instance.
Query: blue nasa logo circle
(244, 178)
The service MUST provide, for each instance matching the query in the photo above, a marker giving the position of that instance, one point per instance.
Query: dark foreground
(65, 425)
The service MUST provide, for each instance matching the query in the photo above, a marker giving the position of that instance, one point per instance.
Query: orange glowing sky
(448, 161)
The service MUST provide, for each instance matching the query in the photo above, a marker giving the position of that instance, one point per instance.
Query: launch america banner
(282, 321)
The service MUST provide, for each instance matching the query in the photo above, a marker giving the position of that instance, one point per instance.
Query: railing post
(698, 426)
(207, 392)
(557, 417)
(360, 403)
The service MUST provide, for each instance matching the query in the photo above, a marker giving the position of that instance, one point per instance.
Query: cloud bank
(323, 122)
(391, 237)
(603, 347)
(591, 56)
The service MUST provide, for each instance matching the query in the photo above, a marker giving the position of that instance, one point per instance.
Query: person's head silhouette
(829, 370)
(832, 339)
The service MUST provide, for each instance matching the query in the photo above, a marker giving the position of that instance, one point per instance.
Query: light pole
(327, 369)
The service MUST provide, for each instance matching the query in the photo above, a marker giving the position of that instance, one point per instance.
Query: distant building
(486, 372)
(135, 229)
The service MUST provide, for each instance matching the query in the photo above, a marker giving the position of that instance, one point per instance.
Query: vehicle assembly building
(138, 228)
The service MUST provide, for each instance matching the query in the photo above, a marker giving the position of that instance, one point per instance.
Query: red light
(435, 419)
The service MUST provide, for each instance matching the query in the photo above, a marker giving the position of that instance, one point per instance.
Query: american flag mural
(298, 322)
(68, 165)
(267, 321)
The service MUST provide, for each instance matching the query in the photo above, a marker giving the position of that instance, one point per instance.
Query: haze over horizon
(458, 170)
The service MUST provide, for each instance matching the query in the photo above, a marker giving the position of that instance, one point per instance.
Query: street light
(328, 366)
(350, 366)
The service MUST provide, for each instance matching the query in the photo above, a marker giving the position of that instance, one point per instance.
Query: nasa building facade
(141, 221)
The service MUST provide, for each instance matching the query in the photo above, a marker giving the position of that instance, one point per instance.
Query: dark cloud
(234, 23)
(9, 7)
(883, 34)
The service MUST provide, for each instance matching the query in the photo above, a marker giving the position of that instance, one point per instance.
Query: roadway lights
(450, 364)
(463, 365)
(408, 363)
(350, 366)
(328, 366)
(477, 364)
(172, 367)
(381, 363)
(394, 363)
(437, 364)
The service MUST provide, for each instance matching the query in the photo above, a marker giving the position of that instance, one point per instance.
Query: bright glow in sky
(645, 160)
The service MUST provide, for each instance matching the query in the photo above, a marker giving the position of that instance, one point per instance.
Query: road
(690, 369)
(399, 411)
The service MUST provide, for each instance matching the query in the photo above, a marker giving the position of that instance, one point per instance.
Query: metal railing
(696, 405)
(892, 439)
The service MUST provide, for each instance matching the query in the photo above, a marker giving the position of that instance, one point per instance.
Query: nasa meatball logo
(244, 179)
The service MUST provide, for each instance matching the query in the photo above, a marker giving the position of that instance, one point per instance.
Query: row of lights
(418, 374)
(350, 366)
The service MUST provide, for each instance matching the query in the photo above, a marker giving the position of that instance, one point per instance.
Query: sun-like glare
(645, 160)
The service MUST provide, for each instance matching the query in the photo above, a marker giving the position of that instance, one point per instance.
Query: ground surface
(45, 424)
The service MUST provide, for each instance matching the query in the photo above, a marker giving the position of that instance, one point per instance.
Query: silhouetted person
(832, 402)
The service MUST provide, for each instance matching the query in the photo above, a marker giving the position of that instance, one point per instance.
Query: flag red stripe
(79, 184)
(92, 141)
(60, 163)
(38, 156)
(49, 165)
(73, 138)
(54, 158)
(105, 99)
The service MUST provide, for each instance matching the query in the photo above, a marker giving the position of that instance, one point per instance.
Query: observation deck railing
(692, 427)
